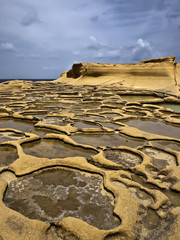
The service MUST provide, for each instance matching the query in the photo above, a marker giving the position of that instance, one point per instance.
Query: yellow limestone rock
(157, 74)
(94, 155)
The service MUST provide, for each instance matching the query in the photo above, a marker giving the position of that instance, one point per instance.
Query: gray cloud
(94, 18)
(143, 50)
(58, 33)
(100, 51)
(30, 17)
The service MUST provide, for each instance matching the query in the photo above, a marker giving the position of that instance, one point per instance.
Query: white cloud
(100, 50)
(107, 52)
(92, 39)
(6, 46)
(143, 43)
(144, 50)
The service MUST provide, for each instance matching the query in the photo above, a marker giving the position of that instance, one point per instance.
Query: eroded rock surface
(140, 75)
(98, 161)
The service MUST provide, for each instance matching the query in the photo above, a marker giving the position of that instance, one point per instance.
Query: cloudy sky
(42, 38)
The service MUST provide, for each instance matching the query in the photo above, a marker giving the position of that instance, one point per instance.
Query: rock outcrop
(96, 162)
(160, 73)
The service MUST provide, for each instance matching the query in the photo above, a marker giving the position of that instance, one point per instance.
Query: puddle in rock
(23, 126)
(66, 104)
(39, 116)
(108, 140)
(136, 98)
(173, 196)
(161, 159)
(111, 125)
(110, 105)
(55, 149)
(51, 195)
(151, 220)
(76, 111)
(8, 155)
(41, 132)
(9, 136)
(85, 125)
(91, 117)
(167, 144)
(123, 157)
(154, 227)
(155, 127)
(111, 115)
(55, 121)
(91, 105)
(175, 106)
(97, 110)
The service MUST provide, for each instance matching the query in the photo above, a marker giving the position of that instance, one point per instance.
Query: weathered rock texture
(92, 162)
(158, 74)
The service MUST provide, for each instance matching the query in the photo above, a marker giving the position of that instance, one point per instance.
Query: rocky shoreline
(94, 154)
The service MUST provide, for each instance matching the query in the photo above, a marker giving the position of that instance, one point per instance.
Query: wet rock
(99, 161)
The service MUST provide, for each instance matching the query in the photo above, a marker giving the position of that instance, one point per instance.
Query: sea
(4, 80)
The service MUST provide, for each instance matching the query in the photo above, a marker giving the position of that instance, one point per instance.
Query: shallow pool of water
(111, 125)
(160, 158)
(156, 127)
(8, 154)
(108, 140)
(85, 125)
(51, 195)
(10, 136)
(55, 121)
(23, 126)
(91, 117)
(136, 98)
(167, 144)
(123, 157)
(55, 149)
(174, 106)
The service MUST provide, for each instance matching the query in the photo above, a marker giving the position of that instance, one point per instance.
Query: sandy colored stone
(142, 75)
(144, 194)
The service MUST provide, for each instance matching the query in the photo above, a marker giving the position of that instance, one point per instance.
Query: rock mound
(161, 74)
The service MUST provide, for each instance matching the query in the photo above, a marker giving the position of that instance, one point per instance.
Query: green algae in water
(175, 106)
